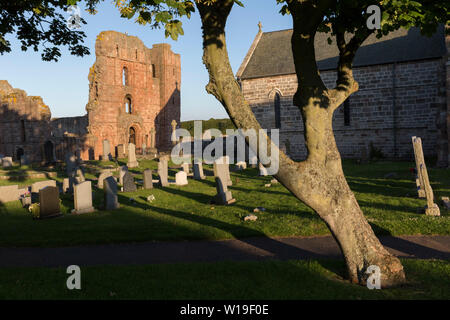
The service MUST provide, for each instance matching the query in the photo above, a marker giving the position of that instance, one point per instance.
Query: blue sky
(64, 84)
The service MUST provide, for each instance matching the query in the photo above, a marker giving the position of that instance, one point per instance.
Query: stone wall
(375, 116)
(24, 123)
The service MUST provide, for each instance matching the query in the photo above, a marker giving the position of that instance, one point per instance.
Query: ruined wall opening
(132, 136)
(128, 104)
(125, 76)
(153, 71)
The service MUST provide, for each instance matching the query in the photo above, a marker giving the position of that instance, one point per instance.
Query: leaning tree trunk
(318, 181)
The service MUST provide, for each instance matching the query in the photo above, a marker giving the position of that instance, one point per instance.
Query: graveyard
(172, 212)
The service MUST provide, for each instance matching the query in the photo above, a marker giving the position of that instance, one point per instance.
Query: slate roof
(273, 54)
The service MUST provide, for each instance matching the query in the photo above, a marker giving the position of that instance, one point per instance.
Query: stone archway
(132, 135)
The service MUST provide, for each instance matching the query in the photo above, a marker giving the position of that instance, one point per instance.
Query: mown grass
(185, 212)
(315, 279)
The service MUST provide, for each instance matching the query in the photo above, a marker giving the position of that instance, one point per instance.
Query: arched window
(277, 109)
(125, 76)
(128, 104)
(117, 49)
(132, 138)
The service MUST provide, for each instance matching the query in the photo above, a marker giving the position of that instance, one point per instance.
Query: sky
(63, 85)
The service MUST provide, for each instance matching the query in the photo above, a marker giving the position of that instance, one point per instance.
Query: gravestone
(128, 183)
(223, 196)
(198, 171)
(122, 171)
(262, 170)
(7, 162)
(71, 164)
(35, 187)
(181, 178)
(120, 151)
(102, 177)
(110, 196)
(132, 162)
(106, 151)
(82, 198)
(431, 208)
(49, 202)
(222, 170)
(66, 185)
(9, 193)
(163, 172)
(144, 149)
(148, 179)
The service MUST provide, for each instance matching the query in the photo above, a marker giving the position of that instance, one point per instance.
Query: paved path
(423, 247)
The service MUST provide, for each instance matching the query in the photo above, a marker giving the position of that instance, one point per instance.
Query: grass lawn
(185, 212)
(321, 279)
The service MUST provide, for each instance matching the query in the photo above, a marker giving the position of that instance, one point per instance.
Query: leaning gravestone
(222, 170)
(223, 196)
(102, 178)
(198, 171)
(111, 202)
(82, 198)
(148, 179)
(7, 162)
(128, 183)
(181, 178)
(9, 193)
(418, 155)
(431, 208)
(106, 151)
(132, 162)
(122, 171)
(163, 172)
(49, 202)
(71, 164)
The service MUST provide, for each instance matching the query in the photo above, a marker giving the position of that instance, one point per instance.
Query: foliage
(39, 24)
(220, 124)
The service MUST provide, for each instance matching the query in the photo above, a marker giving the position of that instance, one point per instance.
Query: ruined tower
(133, 91)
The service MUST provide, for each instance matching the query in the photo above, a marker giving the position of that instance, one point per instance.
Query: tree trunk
(318, 181)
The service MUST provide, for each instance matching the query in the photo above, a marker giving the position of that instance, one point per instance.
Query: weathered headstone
(66, 185)
(163, 172)
(128, 183)
(71, 164)
(82, 198)
(198, 171)
(122, 171)
(181, 178)
(120, 151)
(49, 202)
(222, 170)
(174, 128)
(132, 162)
(431, 208)
(102, 177)
(106, 151)
(148, 179)
(9, 193)
(35, 187)
(79, 176)
(7, 162)
(223, 196)
(110, 196)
